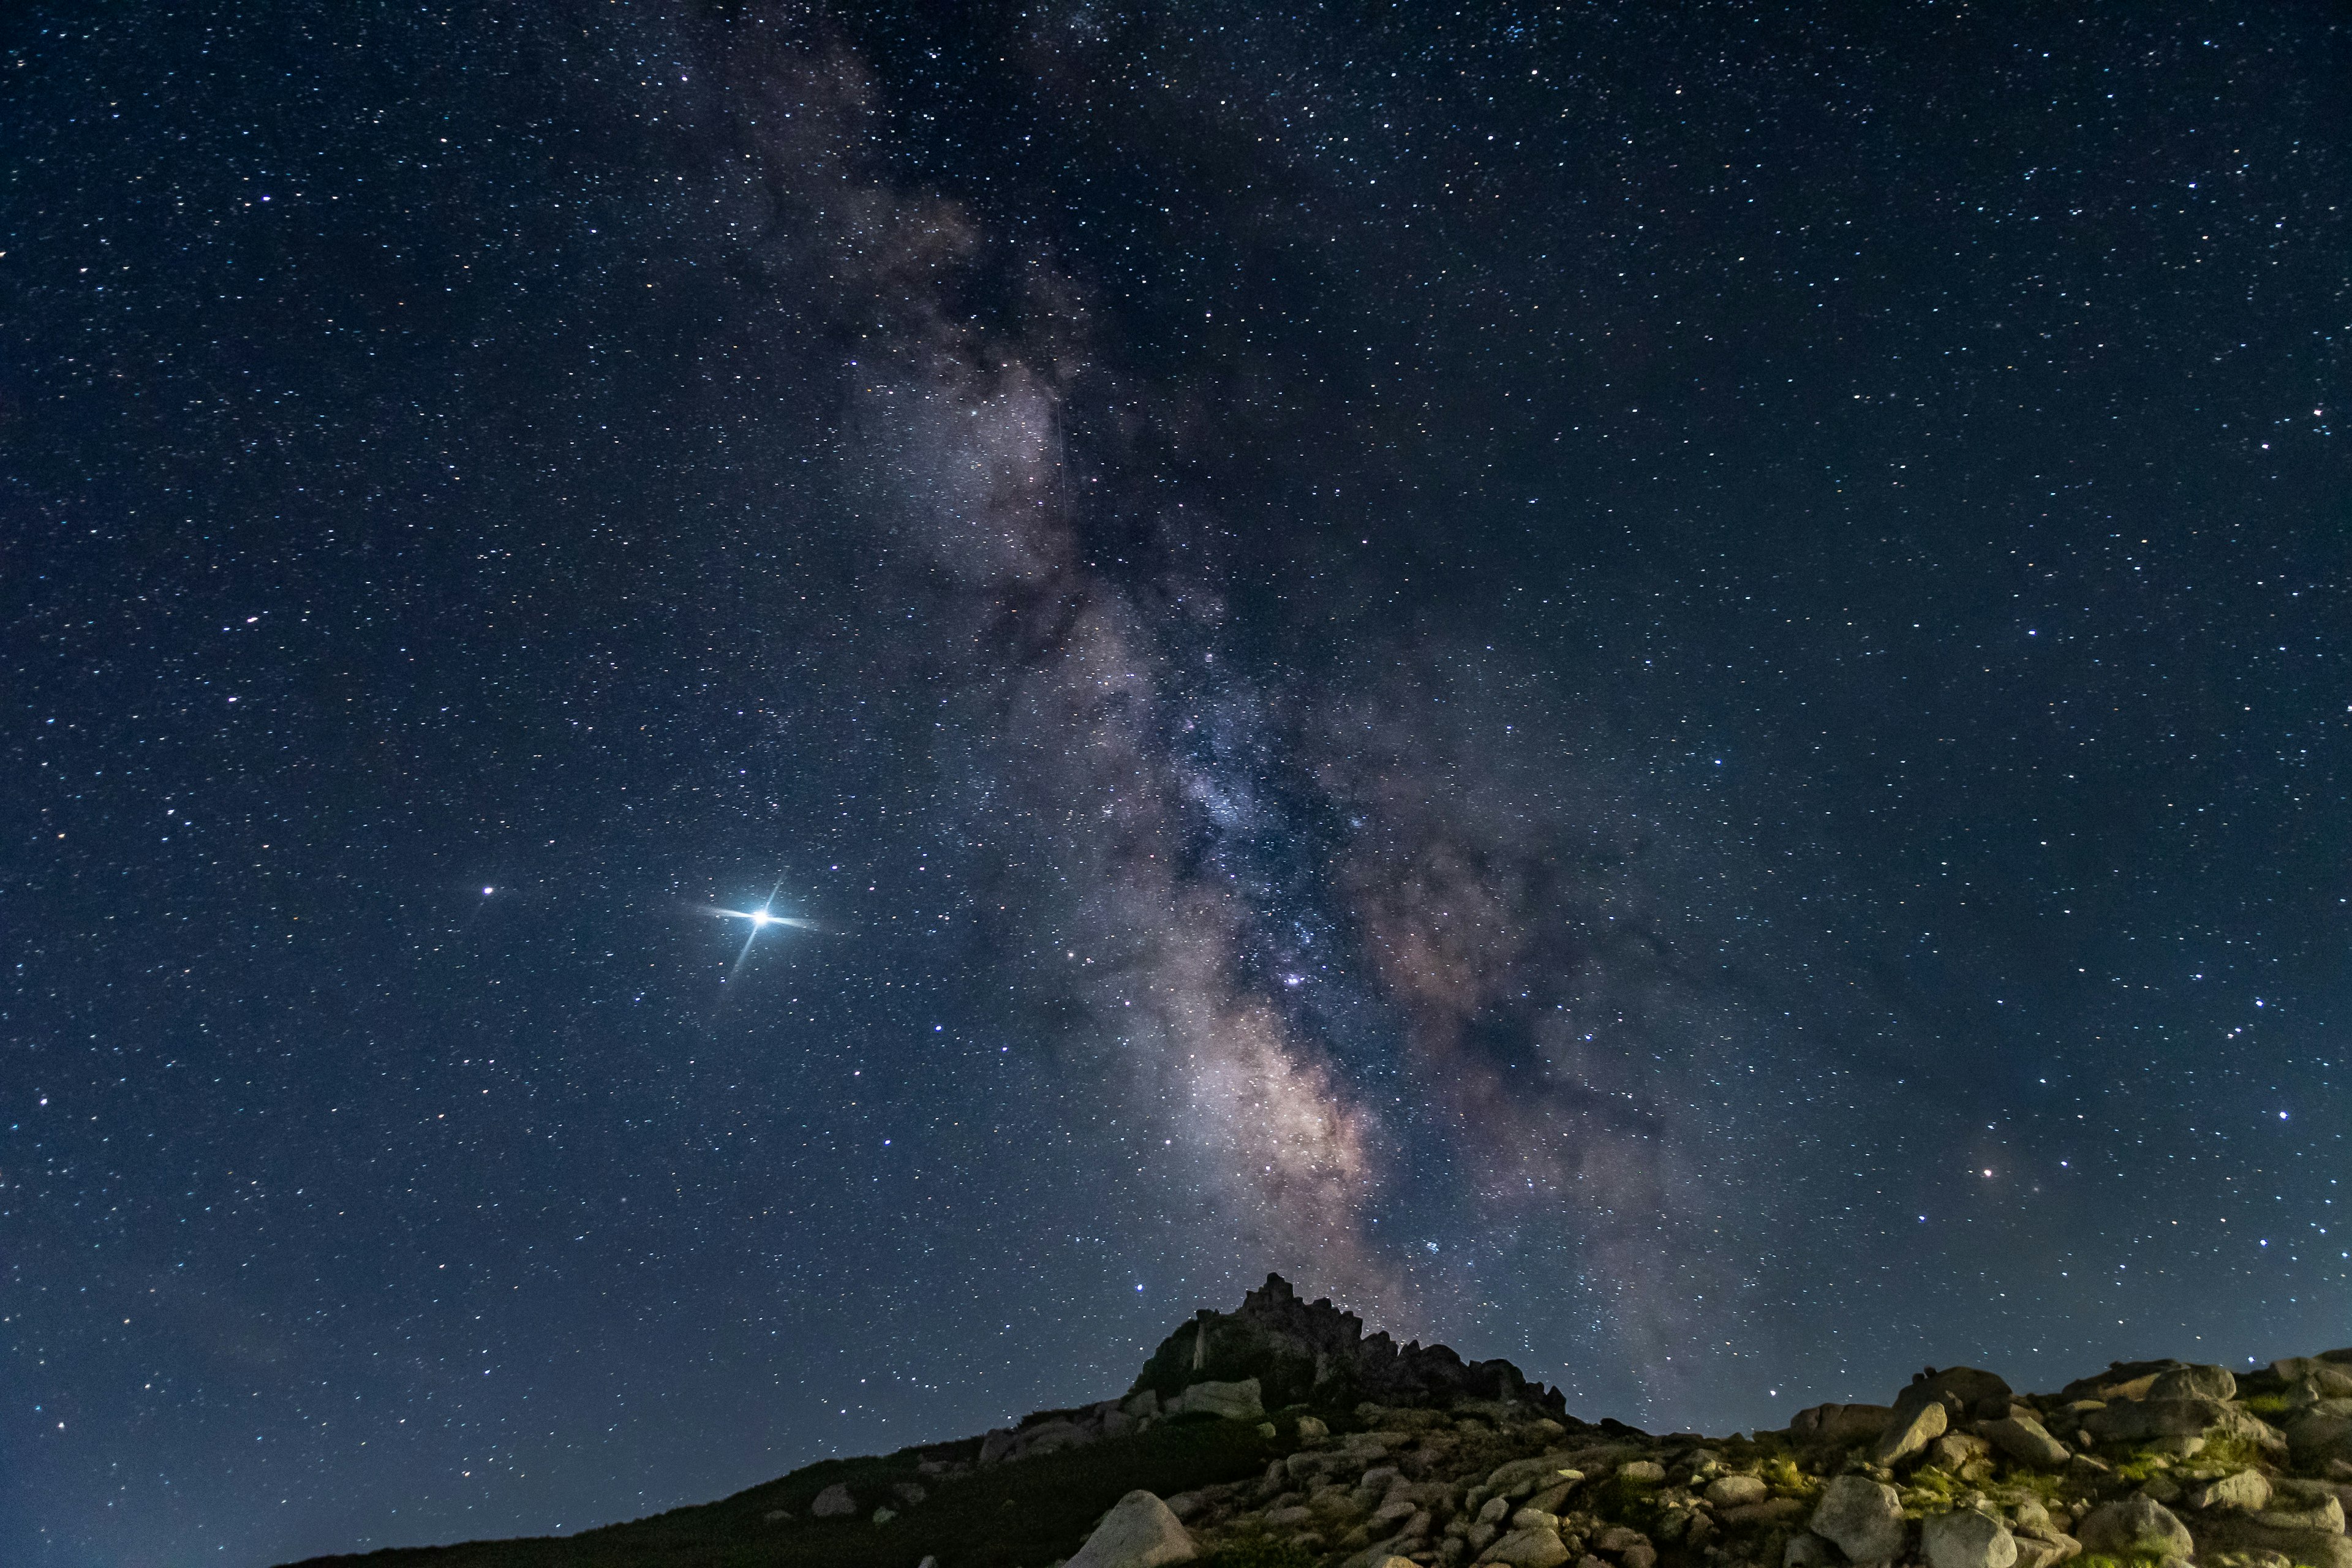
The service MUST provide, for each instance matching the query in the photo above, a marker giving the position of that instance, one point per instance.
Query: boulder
(2134, 1527)
(2137, 1420)
(2046, 1550)
(2194, 1383)
(2026, 1441)
(1960, 1390)
(1864, 1518)
(1138, 1532)
(2246, 1492)
(833, 1502)
(1543, 1470)
(1954, 1452)
(2322, 1433)
(1647, 1472)
(2234, 1534)
(1736, 1491)
(2302, 1505)
(1538, 1546)
(1904, 1437)
(1236, 1401)
(1840, 1423)
(1966, 1538)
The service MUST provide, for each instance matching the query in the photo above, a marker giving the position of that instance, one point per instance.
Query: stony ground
(2145, 1464)
(2148, 1461)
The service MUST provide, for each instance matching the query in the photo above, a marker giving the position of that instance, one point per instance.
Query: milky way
(1657, 694)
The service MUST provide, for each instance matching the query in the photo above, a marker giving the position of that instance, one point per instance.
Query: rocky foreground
(1325, 1447)
(2147, 1460)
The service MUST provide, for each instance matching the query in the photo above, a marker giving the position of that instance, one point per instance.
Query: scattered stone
(776, 1516)
(2026, 1441)
(1735, 1492)
(1138, 1532)
(929, 1561)
(1312, 1429)
(1966, 1538)
(2136, 1527)
(833, 1502)
(1647, 1471)
(1864, 1518)
(1903, 1438)
(885, 1515)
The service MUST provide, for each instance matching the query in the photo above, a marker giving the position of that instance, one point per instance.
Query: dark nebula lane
(1658, 693)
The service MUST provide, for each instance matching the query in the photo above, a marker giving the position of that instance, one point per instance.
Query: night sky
(1658, 688)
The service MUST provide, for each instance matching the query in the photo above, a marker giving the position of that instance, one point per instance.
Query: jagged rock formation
(1315, 1354)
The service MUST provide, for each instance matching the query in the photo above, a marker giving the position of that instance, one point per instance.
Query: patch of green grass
(1028, 1512)
(1780, 1473)
(2269, 1406)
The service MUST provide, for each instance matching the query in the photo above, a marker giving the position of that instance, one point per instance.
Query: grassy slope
(1008, 1516)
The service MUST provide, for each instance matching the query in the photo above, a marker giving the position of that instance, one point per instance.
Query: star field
(1658, 690)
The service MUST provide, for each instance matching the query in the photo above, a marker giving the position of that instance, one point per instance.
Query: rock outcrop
(1314, 1353)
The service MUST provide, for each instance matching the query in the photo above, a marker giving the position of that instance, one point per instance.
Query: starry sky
(1661, 689)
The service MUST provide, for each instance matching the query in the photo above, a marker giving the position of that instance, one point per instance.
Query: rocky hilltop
(1281, 1435)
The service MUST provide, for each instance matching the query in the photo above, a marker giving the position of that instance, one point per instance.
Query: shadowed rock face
(1312, 1352)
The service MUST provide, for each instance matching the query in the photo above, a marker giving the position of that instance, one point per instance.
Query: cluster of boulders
(2147, 1462)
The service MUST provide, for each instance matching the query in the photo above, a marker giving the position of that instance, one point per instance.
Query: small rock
(2026, 1441)
(1733, 1492)
(928, 1563)
(909, 1492)
(1966, 1538)
(1617, 1540)
(1640, 1471)
(1903, 1439)
(776, 1516)
(885, 1515)
(1864, 1518)
(2134, 1527)
(1138, 1532)
(833, 1502)
(1312, 1429)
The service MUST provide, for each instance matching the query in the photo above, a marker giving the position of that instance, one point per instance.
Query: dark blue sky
(1662, 692)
